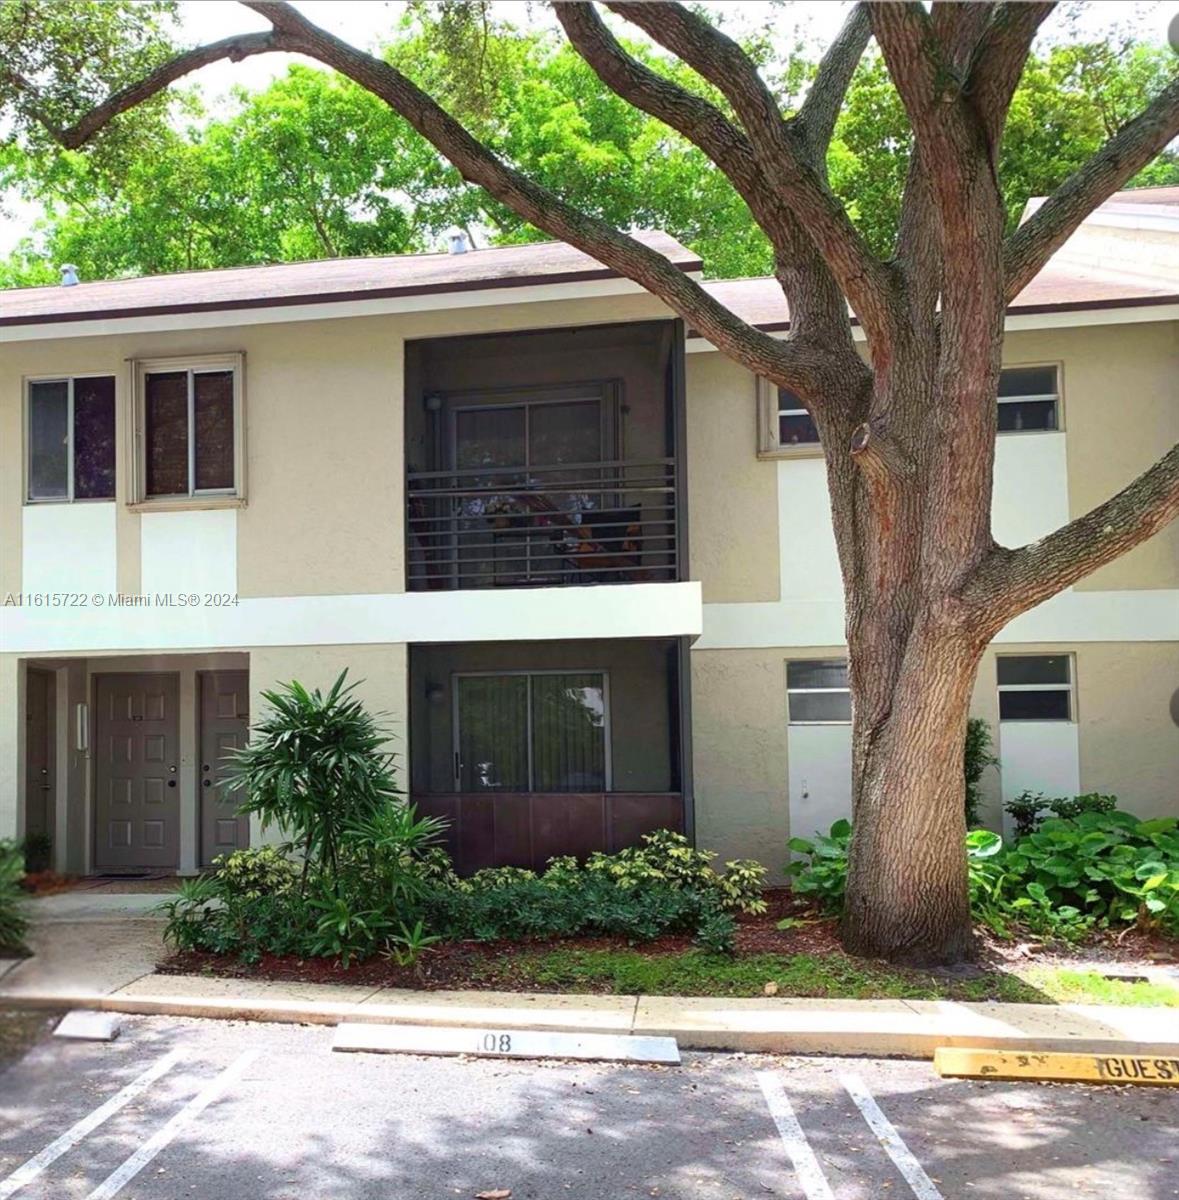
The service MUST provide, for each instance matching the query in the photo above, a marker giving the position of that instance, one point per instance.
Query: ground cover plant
(1094, 867)
(13, 923)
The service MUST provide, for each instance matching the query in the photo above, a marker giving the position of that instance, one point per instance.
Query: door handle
(171, 782)
(207, 782)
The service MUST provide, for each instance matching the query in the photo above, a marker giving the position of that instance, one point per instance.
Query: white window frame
(198, 364)
(455, 732)
(814, 691)
(68, 380)
(768, 445)
(1070, 687)
(1057, 396)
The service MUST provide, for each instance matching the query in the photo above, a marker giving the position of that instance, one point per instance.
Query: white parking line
(806, 1165)
(76, 1132)
(123, 1175)
(894, 1145)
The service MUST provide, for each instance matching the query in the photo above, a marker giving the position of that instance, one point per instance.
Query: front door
(225, 716)
(38, 756)
(137, 763)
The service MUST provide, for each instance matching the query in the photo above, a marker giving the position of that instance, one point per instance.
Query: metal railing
(577, 523)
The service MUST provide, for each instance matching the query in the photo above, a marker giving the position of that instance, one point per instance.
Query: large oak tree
(908, 436)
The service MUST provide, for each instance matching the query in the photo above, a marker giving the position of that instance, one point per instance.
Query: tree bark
(907, 897)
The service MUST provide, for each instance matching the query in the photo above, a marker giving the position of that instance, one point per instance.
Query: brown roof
(1056, 289)
(324, 280)
(1165, 194)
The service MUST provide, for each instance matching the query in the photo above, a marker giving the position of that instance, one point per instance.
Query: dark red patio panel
(526, 829)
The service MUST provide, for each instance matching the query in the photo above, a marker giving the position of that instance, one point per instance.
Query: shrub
(13, 923)
(588, 903)
(824, 876)
(38, 852)
(1064, 878)
(977, 757)
(1028, 808)
(265, 871)
(313, 766)
(253, 904)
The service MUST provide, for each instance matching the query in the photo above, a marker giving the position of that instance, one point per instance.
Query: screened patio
(531, 750)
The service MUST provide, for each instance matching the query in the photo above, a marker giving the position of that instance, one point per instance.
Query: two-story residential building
(581, 561)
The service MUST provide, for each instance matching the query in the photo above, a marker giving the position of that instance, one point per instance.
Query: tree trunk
(907, 895)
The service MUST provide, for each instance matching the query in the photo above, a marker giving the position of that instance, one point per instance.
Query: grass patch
(698, 973)
(1065, 986)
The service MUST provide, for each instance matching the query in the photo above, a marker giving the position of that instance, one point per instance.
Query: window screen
(817, 692)
(71, 430)
(1028, 399)
(1035, 687)
(795, 427)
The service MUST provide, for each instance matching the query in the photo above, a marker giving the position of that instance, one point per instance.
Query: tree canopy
(316, 166)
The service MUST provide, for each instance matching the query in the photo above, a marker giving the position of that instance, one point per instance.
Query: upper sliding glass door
(536, 732)
(509, 531)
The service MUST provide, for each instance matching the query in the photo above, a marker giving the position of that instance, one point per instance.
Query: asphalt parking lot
(178, 1108)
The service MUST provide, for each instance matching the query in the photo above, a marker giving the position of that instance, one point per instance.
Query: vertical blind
(543, 732)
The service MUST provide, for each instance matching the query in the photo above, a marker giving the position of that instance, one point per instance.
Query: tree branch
(818, 308)
(820, 110)
(1030, 247)
(782, 150)
(998, 61)
(235, 48)
(1009, 582)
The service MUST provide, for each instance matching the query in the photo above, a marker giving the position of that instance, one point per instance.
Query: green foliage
(589, 903)
(1028, 808)
(977, 757)
(265, 871)
(824, 875)
(665, 857)
(1098, 867)
(13, 922)
(314, 166)
(315, 766)
(370, 903)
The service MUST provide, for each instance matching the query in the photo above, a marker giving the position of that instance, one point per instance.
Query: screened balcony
(544, 459)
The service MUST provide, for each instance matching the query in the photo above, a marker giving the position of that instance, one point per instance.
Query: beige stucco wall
(324, 435)
(1128, 731)
(739, 754)
(1120, 386)
(732, 494)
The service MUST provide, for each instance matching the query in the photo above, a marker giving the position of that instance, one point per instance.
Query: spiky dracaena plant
(315, 765)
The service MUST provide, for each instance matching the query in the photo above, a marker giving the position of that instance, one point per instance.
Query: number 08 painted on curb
(496, 1043)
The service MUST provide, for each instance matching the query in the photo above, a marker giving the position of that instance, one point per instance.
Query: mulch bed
(451, 965)
(459, 965)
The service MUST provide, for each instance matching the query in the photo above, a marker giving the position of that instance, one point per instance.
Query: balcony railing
(577, 523)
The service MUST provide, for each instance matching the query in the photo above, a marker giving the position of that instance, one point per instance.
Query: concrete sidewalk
(103, 956)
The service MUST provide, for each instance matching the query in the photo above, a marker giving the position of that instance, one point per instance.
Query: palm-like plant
(314, 766)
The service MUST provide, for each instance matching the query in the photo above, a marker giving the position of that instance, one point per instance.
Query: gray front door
(137, 765)
(225, 717)
(38, 754)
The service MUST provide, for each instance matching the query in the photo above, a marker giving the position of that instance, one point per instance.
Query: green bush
(255, 904)
(1028, 809)
(313, 766)
(265, 871)
(13, 923)
(589, 903)
(977, 757)
(1070, 874)
(824, 875)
